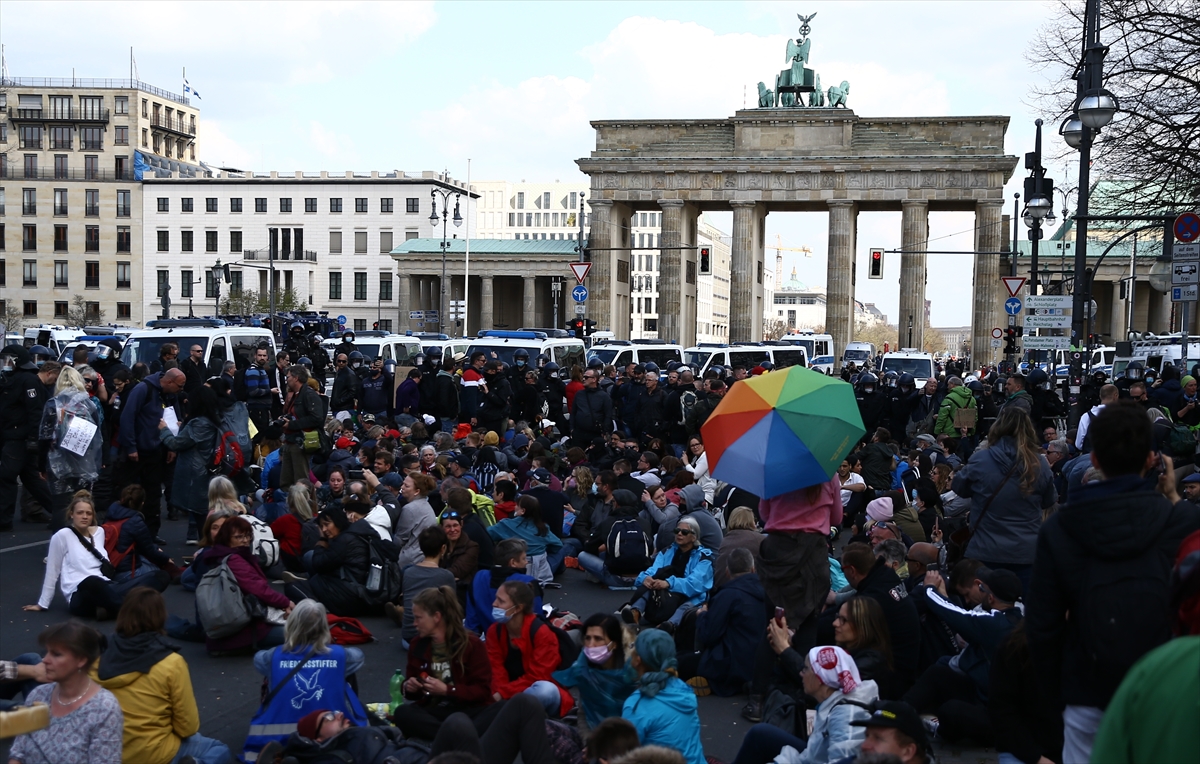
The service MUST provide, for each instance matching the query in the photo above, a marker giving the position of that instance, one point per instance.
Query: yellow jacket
(159, 708)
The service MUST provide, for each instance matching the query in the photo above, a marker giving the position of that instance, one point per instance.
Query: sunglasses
(684, 531)
(340, 360)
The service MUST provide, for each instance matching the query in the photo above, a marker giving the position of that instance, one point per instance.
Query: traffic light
(705, 261)
(1010, 340)
(374, 324)
(589, 327)
(875, 267)
(578, 326)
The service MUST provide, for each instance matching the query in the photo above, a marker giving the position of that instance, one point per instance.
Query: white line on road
(24, 546)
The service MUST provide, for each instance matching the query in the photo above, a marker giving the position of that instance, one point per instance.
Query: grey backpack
(220, 603)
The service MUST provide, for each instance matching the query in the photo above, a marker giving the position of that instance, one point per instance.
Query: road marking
(23, 546)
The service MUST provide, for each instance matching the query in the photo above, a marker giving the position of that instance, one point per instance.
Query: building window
(285, 205)
(164, 283)
(210, 284)
(29, 201)
(335, 243)
(121, 105)
(360, 286)
(29, 238)
(124, 239)
(3, 275)
(145, 138)
(360, 242)
(185, 204)
(60, 138)
(145, 109)
(185, 241)
(123, 311)
(164, 241)
(335, 285)
(121, 135)
(520, 200)
(60, 308)
(385, 242)
(124, 204)
(29, 309)
(91, 238)
(164, 204)
(91, 202)
(385, 287)
(385, 324)
(310, 204)
(360, 204)
(186, 282)
(235, 282)
(91, 138)
(650, 324)
(546, 200)
(123, 275)
(235, 241)
(360, 324)
(260, 204)
(622, 271)
(91, 274)
(30, 136)
(410, 235)
(31, 166)
(60, 201)
(412, 205)
(512, 219)
(60, 273)
(210, 204)
(210, 241)
(335, 205)
(29, 273)
(385, 205)
(574, 199)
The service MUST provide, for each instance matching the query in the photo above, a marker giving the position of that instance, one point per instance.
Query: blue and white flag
(187, 90)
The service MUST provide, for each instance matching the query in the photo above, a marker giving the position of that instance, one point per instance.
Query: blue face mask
(499, 615)
(520, 362)
(595, 488)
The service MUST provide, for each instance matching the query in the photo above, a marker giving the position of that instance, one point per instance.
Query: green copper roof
(516, 247)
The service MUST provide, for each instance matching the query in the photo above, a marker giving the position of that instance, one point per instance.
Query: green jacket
(958, 398)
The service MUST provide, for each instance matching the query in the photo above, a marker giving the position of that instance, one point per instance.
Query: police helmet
(519, 355)
(1038, 377)
(389, 366)
(1134, 370)
(356, 358)
(348, 336)
(434, 351)
(542, 360)
(296, 329)
(907, 380)
(651, 367)
(767, 366)
(975, 386)
(867, 378)
(304, 361)
(673, 366)
(551, 367)
(1099, 376)
(40, 354)
(595, 363)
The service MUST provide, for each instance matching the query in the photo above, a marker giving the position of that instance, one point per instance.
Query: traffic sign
(579, 293)
(341, 319)
(430, 315)
(1185, 273)
(1013, 284)
(416, 315)
(996, 343)
(997, 333)
(1185, 293)
(580, 309)
(1045, 343)
(1047, 322)
(580, 270)
(1187, 227)
(1012, 306)
(1182, 252)
(1050, 301)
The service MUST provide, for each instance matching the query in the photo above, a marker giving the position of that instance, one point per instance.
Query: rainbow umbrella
(782, 431)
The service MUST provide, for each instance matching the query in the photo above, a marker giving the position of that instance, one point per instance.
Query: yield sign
(1013, 284)
(580, 270)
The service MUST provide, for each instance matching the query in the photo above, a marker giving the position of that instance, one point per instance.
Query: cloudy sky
(423, 86)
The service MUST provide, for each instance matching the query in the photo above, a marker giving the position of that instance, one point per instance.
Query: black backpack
(629, 551)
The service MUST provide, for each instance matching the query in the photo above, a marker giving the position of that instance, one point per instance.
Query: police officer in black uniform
(347, 345)
(23, 396)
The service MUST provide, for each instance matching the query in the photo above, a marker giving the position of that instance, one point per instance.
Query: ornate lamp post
(433, 220)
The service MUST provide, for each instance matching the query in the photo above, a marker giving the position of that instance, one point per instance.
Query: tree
(774, 330)
(1152, 146)
(13, 318)
(875, 332)
(240, 303)
(82, 312)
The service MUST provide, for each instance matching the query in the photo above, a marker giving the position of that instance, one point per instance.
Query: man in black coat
(22, 399)
(872, 578)
(346, 386)
(1105, 558)
(591, 411)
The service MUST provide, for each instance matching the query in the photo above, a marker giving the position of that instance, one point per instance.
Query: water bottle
(396, 686)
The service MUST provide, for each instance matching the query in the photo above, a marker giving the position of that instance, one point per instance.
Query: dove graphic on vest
(309, 689)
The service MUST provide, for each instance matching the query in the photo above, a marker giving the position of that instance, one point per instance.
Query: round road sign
(341, 319)
(1187, 227)
(579, 293)
(997, 333)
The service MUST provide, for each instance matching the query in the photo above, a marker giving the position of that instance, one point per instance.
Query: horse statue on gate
(838, 93)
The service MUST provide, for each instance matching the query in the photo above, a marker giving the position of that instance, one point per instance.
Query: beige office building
(70, 192)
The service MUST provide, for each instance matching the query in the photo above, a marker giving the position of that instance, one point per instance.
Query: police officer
(554, 391)
(1133, 373)
(873, 405)
(23, 396)
(1046, 403)
(520, 365)
(347, 345)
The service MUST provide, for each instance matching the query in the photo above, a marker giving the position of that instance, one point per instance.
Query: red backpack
(228, 458)
(348, 631)
(112, 534)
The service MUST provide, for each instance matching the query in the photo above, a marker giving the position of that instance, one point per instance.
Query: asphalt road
(227, 689)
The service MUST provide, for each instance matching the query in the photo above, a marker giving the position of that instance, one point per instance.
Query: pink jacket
(793, 513)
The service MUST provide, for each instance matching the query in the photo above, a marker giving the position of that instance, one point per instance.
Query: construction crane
(779, 250)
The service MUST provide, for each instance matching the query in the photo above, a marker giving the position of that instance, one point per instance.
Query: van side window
(217, 356)
(748, 358)
(624, 358)
(385, 352)
(243, 350)
(567, 356)
(784, 358)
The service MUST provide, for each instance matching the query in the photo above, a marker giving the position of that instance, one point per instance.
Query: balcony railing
(43, 173)
(70, 114)
(91, 84)
(262, 254)
(173, 125)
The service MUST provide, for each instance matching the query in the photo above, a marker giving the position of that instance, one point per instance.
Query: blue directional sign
(579, 293)
(1012, 306)
(341, 319)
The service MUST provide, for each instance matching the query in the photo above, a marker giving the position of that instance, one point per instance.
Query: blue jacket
(729, 632)
(519, 527)
(983, 630)
(668, 719)
(697, 577)
(375, 397)
(271, 468)
(408, 396)
(141, 411)
(602, 691)
(135, 532)
(257, 385)
(483, 594)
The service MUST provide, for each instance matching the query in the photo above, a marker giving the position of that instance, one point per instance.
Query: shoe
(102, 614)
(160, 540)
(572, 562)
(551, 585)
(192, 542)
(631, 615)
(700, 686)
(931, 724)
(668, 627)
(393, 612)
(173, 514)
(753, 711)
(291, 577)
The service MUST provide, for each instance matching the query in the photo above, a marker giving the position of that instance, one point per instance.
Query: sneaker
(291, 577)
(631, 615)
(551, 585)
(572, 562)
(393, 612)
(700, 686)
(192, 542)
(160, 540)
(753, 711)
(931, 724)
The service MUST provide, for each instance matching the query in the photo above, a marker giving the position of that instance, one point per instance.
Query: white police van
(221, 343)
(558, 344)
(621, 353)
(909, 361)
(704, 356)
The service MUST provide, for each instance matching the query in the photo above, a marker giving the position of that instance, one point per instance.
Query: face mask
(7, 364)
(598, 654)
(554, 375)
(595, 489)
(102, 352)
(520, 362)
(868, 389)
(499, 615)
(39, 362)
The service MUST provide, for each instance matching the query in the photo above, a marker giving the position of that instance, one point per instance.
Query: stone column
(528, 295)
(1117, 314)
(746, 263)
(689, 265)
(403, 302)
(914, 235)
(487, 310)
(839, 296)
(986, 310)
(670, 271)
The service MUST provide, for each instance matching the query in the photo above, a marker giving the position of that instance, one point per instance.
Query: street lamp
(218, 272)
(433, 220)
(1097, 108)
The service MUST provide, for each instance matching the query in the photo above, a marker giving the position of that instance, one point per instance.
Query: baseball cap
(927, 438)
(462, 460)
(1004, 583)
(898, 716)
(392, 480)
(1192, 478)
(542, 475)
(346, 443)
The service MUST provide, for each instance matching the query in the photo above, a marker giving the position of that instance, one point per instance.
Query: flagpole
(467, 261)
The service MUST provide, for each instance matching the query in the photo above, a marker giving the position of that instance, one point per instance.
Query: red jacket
(470, 681)
(539, 660)
(287, 531)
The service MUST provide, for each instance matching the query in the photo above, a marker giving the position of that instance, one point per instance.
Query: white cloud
(219, 149)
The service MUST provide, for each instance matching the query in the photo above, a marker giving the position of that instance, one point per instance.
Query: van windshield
(697, 358)
(660, 356)
(920, 368)
(856, 355)
(499, 352)
(606, 355)
(785, 358)
(146, 349)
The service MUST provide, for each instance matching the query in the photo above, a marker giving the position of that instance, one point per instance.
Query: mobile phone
(779, 616)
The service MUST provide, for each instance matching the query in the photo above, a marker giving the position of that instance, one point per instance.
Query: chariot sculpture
(792, 83)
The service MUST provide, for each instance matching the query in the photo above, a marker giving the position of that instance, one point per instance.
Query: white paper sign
(78, 437)
(171, 420)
